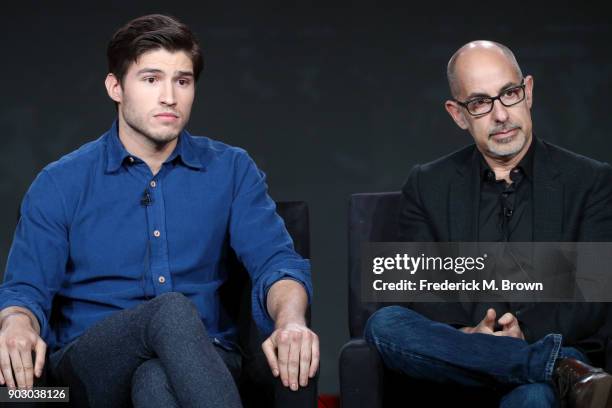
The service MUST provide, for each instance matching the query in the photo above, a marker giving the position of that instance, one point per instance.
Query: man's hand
(18, 338)
(509, 323)
(292, 349)
(293, 353)
(510, 327)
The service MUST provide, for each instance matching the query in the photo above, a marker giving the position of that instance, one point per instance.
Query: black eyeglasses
(482, 105)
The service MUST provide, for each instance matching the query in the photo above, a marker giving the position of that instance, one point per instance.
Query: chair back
(372, 218)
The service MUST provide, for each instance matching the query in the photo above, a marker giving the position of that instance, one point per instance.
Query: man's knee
(150, 381)
(149, 374)
(173, 300)
(174, 308)
(383, 322)
(531, 395)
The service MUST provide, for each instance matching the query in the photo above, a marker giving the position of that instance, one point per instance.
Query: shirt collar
(525, 165)
(186, 152)
(117, 154)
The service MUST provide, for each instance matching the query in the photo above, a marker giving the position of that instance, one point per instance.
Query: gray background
(328, 100)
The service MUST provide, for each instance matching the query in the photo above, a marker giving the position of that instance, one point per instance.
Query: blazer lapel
(547, 197)
(465, 200)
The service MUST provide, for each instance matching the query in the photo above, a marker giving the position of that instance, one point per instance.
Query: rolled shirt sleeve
(261, 241)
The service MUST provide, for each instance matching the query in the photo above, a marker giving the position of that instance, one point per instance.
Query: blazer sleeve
(584, 321)
(415, 226)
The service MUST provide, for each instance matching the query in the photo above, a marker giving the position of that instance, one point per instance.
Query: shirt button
(153, 183)
(131, 159)
(161, 279)
(156, 233)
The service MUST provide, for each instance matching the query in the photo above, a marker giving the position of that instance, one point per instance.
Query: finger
(5, 366)
(28, 367)
(283, 356)
(490, 316)
(2, 364)
(41, 350)
(305, 358)
(270, 353)
(506, 319)
(314, 361)
(489, 320)
(517, 332)
(294, 359)
(17, 367)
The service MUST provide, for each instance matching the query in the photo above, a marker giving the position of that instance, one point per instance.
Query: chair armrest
(361, 375)
(304, 397)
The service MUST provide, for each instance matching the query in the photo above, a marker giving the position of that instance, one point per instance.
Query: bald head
(477, 52)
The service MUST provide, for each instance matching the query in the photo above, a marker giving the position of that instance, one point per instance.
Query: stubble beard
(507, 147)
(138, 124)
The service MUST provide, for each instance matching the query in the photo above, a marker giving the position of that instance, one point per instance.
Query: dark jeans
(155, 355)
(424, 349)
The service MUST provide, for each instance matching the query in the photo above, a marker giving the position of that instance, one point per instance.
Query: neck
(502, 166)
(153, 154)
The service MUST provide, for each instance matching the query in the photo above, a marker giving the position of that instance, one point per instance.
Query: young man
(121, 247)
(508, 186)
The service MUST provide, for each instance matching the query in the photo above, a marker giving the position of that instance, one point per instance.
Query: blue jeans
(157, 354)
(424, 349)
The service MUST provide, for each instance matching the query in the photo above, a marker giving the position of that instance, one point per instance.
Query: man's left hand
(510, 327)
(292, 351)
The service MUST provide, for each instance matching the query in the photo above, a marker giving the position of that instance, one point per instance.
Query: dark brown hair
(151, 32)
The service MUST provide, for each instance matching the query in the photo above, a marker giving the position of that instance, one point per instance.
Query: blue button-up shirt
(100, 233)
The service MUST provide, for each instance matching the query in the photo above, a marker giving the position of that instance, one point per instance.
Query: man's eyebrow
(159, 71)
(149, 71)
(184, 74)
(507, 85)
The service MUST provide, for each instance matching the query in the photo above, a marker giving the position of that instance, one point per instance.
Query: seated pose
(121, 249)
(507, 186)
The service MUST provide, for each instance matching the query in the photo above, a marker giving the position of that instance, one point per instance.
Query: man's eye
(183, 82)
(511, 92)
(480, 102)
(150, 80)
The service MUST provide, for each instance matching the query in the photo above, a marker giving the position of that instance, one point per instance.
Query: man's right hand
(18, 338)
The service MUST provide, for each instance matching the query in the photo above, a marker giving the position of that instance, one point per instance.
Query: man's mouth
(167, 116)
(503, 133)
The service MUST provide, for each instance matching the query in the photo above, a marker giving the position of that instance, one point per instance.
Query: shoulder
(454, 160)
(214, 152)
(445, 166)
(573, 165)
(78, 162)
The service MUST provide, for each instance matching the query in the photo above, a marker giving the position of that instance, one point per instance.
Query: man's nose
(499, 112)
(167, 96)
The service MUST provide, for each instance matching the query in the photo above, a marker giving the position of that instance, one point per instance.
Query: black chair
(364, 381)
(257, 386)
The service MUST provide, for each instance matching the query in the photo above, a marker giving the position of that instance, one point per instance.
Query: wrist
(15, 316)
(284, 321)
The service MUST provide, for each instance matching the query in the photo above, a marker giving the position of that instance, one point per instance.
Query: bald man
(507, 186)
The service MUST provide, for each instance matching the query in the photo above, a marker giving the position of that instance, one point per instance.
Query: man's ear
(456, 112)
(113, 88)
(529, 90)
